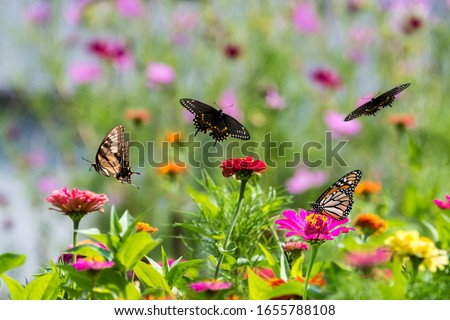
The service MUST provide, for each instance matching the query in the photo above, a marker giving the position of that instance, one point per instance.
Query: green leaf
(165, 264)
(115, 227)
(284, 267)
(179, 270)
(134, 248)
(258, 289)
(151, 278)
(270, 260)
(45, 287)
(111, 241)
(220, 235)
(213, 259)
(297, 267)
(14, 287)
(395, 288)
(287, 289)
(229, 262)
(10, 261)
(230, 248)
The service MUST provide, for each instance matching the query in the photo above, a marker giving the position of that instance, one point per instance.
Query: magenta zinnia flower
(77, 201)
(213, 285)
(312, 227)
(443, 204)
(92, 264)
(327, 78)
(364, 260)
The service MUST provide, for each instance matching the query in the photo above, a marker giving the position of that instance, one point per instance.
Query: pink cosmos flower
(39, 12)
(445, 205)
(76, 201)
(159, 74)
(305, 179)
(326, 78)
(305, 17)
(312, 227)
(130, 8)
(364, 260)
(84, 72)
(74, 11)
(213, 285)
(273, 98)
(92, 264)
(229, 101)
(339, 127)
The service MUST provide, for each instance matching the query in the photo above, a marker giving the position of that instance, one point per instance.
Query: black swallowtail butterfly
(221, 125)
(377, 103)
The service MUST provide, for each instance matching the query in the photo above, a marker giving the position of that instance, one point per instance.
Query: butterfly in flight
(337, 201)
(377, 103)
(112, 156)
(221, 125)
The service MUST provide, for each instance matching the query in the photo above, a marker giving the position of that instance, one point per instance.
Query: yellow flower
(409, 245)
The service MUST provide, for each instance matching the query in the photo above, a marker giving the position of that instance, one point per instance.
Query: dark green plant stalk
(232, 225)
(315, 249)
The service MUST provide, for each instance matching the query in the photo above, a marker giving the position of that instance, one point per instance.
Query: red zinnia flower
(242, 167)
(77, 201)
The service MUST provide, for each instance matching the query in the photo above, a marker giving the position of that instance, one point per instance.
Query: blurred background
(289, 70)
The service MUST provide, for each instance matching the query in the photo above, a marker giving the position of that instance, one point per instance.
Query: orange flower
(173, 137)
(317, 280)
(369, 223)
(172, 169)
(138, 116)
(368, 187)
(402, 121)
(145, 227)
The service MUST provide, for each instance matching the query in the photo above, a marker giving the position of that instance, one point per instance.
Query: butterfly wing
(337, 201)
(108, 158)
(220, 125)
(377, 103)
(124, 175)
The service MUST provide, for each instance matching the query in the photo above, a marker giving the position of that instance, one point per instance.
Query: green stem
(315, 249)
(232, 225)
(76, 223)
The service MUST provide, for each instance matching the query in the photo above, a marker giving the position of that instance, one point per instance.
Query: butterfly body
(377, 103)
(112, 156)
(219, 125)
(337, 201)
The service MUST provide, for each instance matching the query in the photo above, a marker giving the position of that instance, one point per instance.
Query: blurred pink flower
(305, 179)
(339, 127)
(314, 228)
(92, 264)
(305, 17)
(67, 258)
(232, 51)
(273, 98)
(409, 15)
(364, 260)
(47, 183)
(359, 40)
(74, 11)
(326, 77)
(84, 72)
(38, 12)
(159, 74)
(114, 51)
(36, 158)
(229, 103)
(290, 246)
(76, 201)
(183, 22)
(212, 285)
(130, 8)
(445, 205)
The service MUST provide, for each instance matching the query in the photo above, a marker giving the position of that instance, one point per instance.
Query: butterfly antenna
(92, 164)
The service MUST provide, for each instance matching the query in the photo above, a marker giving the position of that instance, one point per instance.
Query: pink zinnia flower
(443, 204)
(339, 127)
(130, 8)
(159, 74)
(213, 285)
(290, 246)
(273, 98)
(312, 227)
(327, 78)
(77, 201)
(92, 264)
(39, 12)
(305, 179)
(365, 260)
(243, 168)
(229, 101)
(84, 72)
(305, 17)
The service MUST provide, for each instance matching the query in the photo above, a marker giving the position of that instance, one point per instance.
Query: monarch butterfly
(112, 156)
(221, 125)
(377, 103)
(337, 201)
